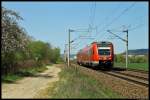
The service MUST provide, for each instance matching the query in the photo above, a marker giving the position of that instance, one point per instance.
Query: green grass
(31, 71)
(74, 84)
(140, 66)
(10, 78)
(13, 77)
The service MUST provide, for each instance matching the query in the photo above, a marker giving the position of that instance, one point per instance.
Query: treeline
(131, 59)
(19, 50)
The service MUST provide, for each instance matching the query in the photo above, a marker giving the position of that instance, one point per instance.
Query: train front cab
(103, 55)
(106, 56)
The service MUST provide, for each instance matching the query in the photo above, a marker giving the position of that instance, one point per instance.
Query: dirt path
(30, 86)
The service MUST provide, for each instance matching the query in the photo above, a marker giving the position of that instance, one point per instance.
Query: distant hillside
(137, 52)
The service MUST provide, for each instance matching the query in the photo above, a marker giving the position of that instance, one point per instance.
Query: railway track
(131, 75)
(134, 79)
(136, 70)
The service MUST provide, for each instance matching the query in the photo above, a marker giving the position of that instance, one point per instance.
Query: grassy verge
(12, 77)
(140, 66)
(74, 84)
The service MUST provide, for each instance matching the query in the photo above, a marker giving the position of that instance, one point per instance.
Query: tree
(17, 46)
(14, 37)
(55, 55)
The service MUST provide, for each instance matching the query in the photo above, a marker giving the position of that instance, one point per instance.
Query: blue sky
(50, 21)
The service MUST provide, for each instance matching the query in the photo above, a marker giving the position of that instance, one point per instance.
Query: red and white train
(96, 54)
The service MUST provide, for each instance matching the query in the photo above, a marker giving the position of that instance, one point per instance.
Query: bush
(119, 58)
(132, 59)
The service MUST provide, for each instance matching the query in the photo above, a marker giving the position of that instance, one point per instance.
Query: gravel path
(28, 87)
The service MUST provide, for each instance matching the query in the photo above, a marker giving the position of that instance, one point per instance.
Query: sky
(50, 22)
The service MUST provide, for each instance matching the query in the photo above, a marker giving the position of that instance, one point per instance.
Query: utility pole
(69, 42)
(126, 47)
(65, 53)
(125, 40)
(69, 48)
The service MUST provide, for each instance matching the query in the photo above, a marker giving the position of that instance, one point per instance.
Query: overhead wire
(116, 18)
(91, 23)
(106, 18)
(110, 15)
(129, 25)
(92, 16)
(138, 26)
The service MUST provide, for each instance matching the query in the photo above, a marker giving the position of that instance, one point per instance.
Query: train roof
(98, 43)
(102, 42)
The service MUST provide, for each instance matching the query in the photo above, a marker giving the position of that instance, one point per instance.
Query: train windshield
(103, 51)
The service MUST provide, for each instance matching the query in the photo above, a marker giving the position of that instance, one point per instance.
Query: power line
(136, 19)
(91, 22)
(92, 17)
(138, 26)
(110, 15)
(130, 29)
(79, 37)
(116, 18)
(77, 44)
(115, 29)
(106, 18)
